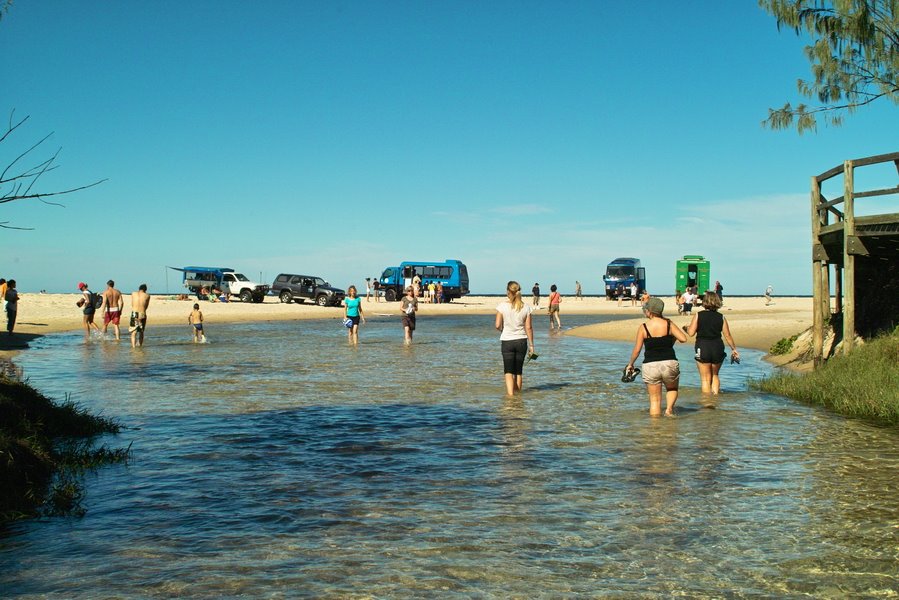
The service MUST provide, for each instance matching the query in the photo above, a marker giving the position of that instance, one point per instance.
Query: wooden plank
(883, 192)
(828, 174)
(830, 203)
(884, 219)
(833, 228)
(873, 160)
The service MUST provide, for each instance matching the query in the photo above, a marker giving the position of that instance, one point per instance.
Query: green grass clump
(863, 384)
(783, 346)
(44, 448)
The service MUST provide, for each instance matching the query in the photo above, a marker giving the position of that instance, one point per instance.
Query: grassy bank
(864, 384)
(45, 448)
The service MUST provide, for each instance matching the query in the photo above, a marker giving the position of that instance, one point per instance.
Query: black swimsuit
(658, 348)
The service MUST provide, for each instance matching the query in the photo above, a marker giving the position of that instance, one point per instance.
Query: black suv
(288, 286)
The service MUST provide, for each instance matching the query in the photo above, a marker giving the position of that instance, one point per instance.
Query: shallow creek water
(278, 461)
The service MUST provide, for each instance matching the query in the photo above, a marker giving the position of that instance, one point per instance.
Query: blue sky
(531, 140)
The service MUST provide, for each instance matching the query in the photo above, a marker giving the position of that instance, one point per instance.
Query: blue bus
(451, 273)
(621, 273)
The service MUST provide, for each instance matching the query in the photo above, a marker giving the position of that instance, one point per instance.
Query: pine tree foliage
(854, 57)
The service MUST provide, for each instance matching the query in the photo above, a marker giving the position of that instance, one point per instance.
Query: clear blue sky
(531, 140)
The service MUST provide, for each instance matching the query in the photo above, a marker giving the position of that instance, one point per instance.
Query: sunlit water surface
(278, 461)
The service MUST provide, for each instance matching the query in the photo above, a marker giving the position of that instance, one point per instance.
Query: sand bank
(753, 324)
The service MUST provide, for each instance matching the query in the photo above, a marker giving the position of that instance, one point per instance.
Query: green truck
(693, 271)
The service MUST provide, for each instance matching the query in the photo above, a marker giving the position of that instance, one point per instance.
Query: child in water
(196, 319)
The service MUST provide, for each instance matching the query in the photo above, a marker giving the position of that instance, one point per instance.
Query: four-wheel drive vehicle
(224, 279)
(299, 288)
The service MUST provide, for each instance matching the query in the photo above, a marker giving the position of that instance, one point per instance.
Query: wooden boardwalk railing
(838, 237)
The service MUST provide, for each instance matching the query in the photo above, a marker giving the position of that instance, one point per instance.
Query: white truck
(225, 279)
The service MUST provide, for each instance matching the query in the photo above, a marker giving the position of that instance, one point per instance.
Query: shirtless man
(112, 308)
(140, 300)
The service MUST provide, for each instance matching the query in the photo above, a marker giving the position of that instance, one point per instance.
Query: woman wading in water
(513, 319)
(708, 327)
(660, 366)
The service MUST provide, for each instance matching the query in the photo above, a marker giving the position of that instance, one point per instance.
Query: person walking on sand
(111, 306)
(719, 289)
(513, 319)
(352, 310)
(536, 293)
(660, 366)
(577, 290)
(708, 326)
(376, 288)
(3, 288)
(633, 291)
(555, 299)
(768, 292)
(11, 298)
(140, 301)
(408, 307)
(195, 318)
(88, 305)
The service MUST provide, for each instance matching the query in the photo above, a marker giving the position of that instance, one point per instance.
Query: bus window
(387, 274)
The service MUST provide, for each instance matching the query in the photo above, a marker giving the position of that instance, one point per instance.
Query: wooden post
(817, 321)
(848, 259)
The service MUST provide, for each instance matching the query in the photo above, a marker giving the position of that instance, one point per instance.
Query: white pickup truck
(224, 279)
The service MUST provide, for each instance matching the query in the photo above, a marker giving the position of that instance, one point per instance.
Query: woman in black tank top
(708, 327)
(660, 366)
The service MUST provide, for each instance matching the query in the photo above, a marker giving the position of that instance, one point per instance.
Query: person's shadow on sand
(16, 341)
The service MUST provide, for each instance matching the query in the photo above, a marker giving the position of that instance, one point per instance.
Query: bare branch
(48, 194)
(23, 181)
(3, 225)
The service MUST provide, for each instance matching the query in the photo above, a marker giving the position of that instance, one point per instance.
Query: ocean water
(278, 461)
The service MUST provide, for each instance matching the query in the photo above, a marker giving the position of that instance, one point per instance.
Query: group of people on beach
(353, 313)
(655, 338)
(111, 304)
(661, 369)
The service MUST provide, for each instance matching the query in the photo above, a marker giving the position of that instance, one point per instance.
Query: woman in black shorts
(513, 319)
(708, 327)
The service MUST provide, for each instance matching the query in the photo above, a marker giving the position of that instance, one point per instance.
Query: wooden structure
(864, 251)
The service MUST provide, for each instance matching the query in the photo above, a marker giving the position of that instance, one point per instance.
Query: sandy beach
(753, 324)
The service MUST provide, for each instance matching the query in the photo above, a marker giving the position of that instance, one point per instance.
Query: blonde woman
(513, 319)
(660, 366)
(708, 326)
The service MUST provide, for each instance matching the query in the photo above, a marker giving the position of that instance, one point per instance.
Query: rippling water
(277, 461)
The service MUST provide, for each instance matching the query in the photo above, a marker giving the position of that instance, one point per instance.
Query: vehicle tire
(286, 296)
(390, 295)
(321, 300)
(246, 296)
